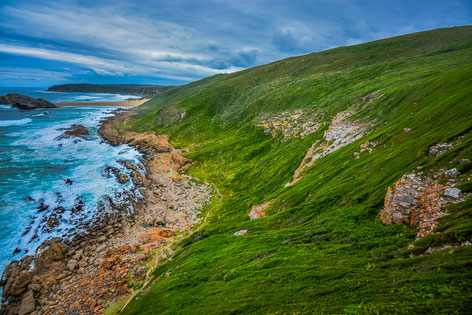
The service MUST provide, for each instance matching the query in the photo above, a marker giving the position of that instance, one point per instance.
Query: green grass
(322, 248)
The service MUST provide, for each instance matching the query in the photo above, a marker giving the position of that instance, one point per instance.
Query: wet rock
(128, 164)
(68, 181)
(78, 206)
(59, 210)
(74, 131)
(53, 221)
(42, 207)
(29, 199)
(452, 194)
(28, 303)
(120, 177)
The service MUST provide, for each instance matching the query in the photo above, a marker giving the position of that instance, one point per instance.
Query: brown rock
(17, 283)
(74, 131)
(28, 303)
(55, 251)
(25, 102)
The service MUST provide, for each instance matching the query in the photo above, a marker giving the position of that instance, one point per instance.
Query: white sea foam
(5, 107)
(18, 122)
(43, 164)
(43, 114)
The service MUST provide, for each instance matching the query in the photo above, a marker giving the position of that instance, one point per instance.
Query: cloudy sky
(177, 41)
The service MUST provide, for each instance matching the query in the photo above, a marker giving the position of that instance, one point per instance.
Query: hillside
(350, 160)
(127, 89)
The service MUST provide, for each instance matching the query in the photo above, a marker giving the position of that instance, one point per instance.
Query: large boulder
(28, 304)
(25, 102)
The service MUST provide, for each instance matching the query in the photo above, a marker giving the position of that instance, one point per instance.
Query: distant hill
(131, 89)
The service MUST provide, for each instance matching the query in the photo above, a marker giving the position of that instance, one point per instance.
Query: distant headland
(127, 89)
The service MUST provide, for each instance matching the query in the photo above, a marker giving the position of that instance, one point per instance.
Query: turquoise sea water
(58, 97)
(34, 167)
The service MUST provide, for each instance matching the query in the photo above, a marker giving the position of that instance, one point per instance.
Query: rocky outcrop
(416, 200)
(257, 211)
(78, 132)
(290, 124)
(340, 133)
(22, 283)
(169, 197)
(440, 148)
(367, 146)
(84, 274)
(120, 177)
(25, 102)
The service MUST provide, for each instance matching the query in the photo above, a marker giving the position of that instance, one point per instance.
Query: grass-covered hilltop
(346, 174)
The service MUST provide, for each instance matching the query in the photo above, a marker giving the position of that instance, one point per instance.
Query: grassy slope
(322, 248)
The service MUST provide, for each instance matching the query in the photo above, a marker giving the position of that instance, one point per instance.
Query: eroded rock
(257, 211)
(78, 132)
(340, 133)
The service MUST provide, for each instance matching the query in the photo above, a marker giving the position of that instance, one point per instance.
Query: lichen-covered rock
(416, 200)
(290, 124)
(452, 173)
(257, 211)
(452, 194)
(239, 233)
(340, 133)
(440, 148)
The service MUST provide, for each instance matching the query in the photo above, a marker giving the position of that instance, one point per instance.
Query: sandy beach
(128, 103)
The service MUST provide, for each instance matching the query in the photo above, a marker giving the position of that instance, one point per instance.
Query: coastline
(116, 255)
(127, 103)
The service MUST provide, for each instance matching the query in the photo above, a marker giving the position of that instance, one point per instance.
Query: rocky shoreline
(112, 256)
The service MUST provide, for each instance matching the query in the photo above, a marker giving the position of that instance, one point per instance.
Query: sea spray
(48, 187)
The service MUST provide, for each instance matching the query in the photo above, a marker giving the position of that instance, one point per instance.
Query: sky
(46, 42)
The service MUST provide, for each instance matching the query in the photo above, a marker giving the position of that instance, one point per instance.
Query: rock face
(21, 281)
(25, 102)
(452, 194)
(340, 133)
(440, 148)
(257, 211)
(416, 200)
(78, 132)
(290, 124)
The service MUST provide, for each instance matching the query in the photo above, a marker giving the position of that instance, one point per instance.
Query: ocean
(39, 173)
(59, 97)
